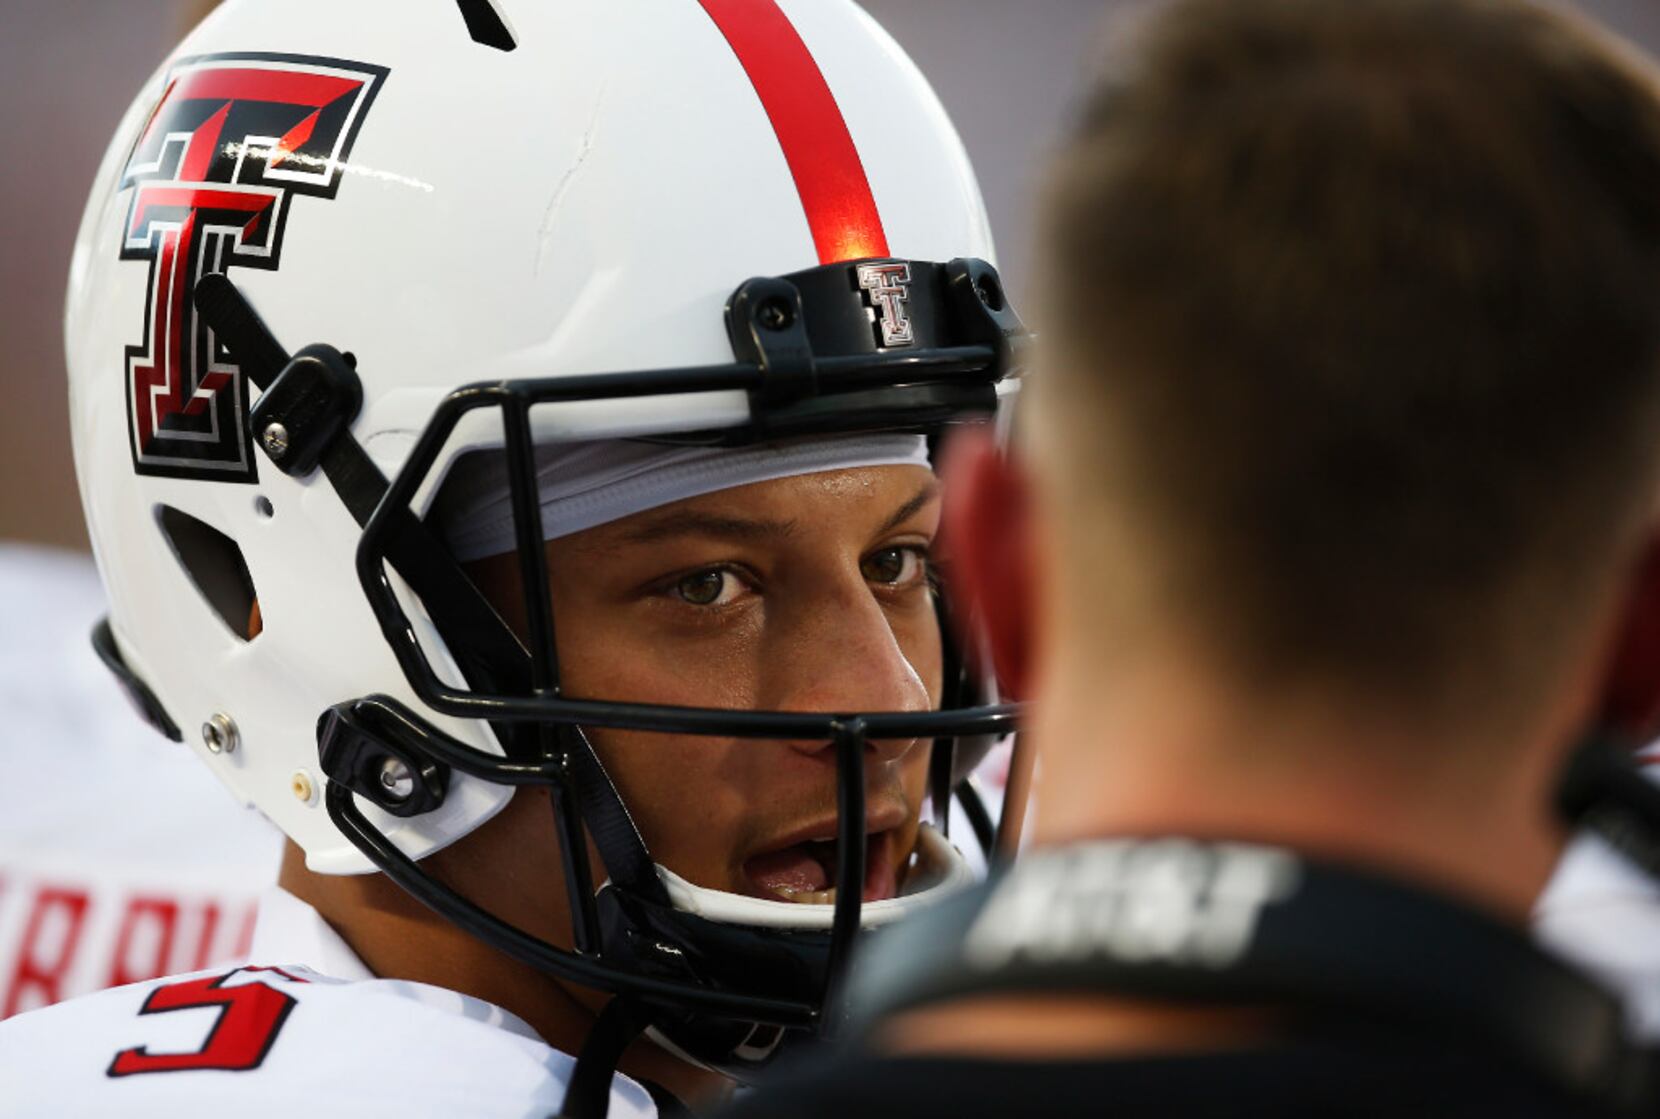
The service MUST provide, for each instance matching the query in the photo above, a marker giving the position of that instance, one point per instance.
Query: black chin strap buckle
(315, 397)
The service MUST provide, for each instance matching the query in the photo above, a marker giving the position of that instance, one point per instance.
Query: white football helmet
(520, 223)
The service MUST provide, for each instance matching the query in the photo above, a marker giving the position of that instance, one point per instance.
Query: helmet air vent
(215, 565)
(486, 23)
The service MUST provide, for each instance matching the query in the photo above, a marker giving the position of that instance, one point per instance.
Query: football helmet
(326, 258)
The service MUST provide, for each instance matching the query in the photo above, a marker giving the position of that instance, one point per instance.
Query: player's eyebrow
(929, 491)
(690, 522)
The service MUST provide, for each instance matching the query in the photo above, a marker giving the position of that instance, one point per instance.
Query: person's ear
(1631, 696)
(987, 534)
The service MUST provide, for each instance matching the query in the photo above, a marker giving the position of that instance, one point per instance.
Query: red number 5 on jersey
(249, 1017)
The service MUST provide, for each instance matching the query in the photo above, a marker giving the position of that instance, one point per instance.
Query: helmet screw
(775, 314)
(396, 779)
(219, 734)
(275, 439)
(302, 788)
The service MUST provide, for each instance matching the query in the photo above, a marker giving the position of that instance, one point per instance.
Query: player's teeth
(808, 897)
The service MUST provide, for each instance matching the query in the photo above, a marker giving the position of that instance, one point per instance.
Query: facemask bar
(850, 856)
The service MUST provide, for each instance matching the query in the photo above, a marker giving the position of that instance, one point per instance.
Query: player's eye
(714, 587)
(895, 567)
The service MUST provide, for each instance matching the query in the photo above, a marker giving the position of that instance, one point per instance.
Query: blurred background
(1008, 71)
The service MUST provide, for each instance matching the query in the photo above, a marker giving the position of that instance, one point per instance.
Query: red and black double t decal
(230, 145)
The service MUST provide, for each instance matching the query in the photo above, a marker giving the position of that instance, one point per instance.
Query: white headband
(587, 484)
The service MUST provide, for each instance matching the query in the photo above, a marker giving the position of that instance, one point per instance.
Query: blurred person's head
(1347, 443)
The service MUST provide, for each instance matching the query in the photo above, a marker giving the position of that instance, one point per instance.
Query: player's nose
(844, 658)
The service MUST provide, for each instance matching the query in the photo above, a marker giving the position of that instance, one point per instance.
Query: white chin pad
(939, 869)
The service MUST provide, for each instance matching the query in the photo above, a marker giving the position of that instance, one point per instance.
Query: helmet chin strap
(619, 1025)
(621, 847)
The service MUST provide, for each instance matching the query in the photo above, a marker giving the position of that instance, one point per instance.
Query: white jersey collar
(288, 932)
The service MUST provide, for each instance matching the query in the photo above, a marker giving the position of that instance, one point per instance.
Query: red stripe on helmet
(829, 176)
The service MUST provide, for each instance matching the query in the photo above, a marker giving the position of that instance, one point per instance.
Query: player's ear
(1631, 699)
(987, 535)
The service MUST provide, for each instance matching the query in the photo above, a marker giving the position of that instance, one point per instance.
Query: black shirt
(1384, 998)
(1357, 1078)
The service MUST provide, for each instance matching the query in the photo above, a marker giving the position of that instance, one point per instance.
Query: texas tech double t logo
(234, 140)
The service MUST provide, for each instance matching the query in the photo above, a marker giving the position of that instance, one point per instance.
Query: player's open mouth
(805, 872)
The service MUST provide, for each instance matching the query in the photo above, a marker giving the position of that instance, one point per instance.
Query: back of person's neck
(1167, 753)
(1170, 753)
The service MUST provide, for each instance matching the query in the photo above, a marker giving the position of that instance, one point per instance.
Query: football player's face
(803, 594)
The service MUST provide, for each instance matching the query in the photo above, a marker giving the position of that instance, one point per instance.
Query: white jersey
(121, 857)
(1603, 913)
(288, 1039)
